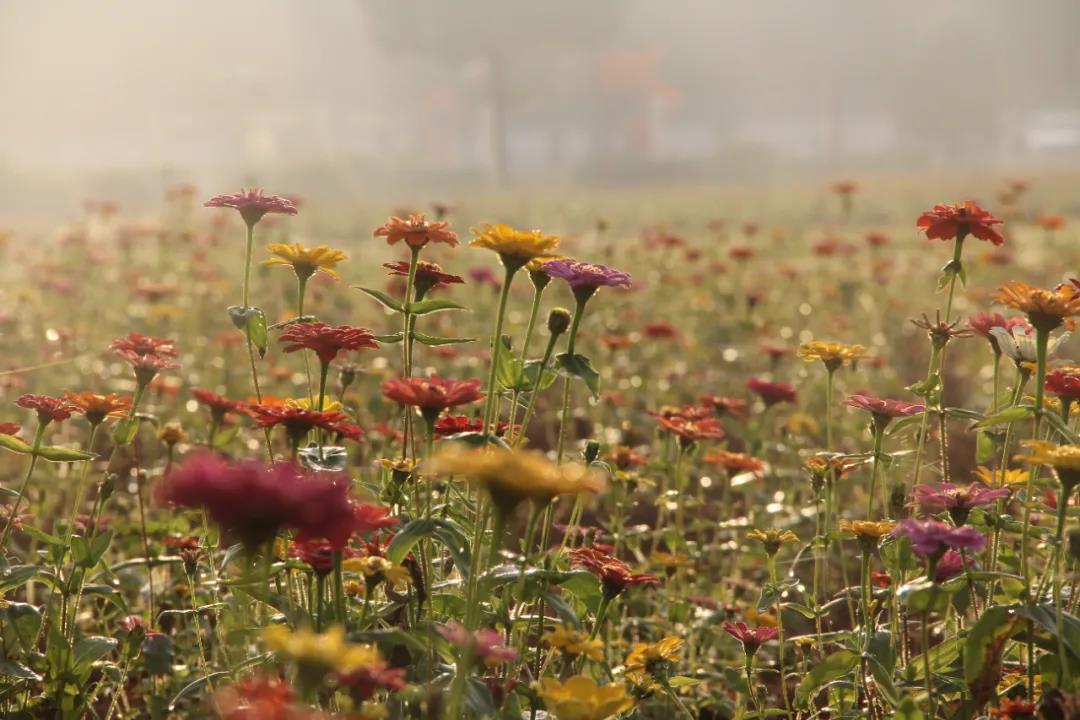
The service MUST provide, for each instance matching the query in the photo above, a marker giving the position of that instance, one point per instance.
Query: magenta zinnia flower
(983, 323)
(751, 640)
(252, 204)
(950, 565)
(771, 392)
(884, 411)
(956, 499)
(582, 274)
(931, 538)
(486, 645)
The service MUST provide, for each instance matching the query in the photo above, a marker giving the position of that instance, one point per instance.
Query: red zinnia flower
(751, 640)
(298, 422)
(615, 576)
(416, 232)
(49, 409)
(948, 221)
(884, 411)
(771, 392)
(736, 407)
(428, 275)
(252, 204)
(10, 428)
(318, 554)
(139, 344)
(434, 394)
(217, 405)
(370, 518)
(690, 430)
(1064, 383)
(326, 341)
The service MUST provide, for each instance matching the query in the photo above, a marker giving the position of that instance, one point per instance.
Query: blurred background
(347, 99)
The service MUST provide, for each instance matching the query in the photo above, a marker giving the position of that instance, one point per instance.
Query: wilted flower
(650, 663)
(252, 204)
(958, 500)
(416, 232)
(97, 408)
(325, 341)
(488, 646)
(615, 576)
(751, 640)
(580, 698)
(771, 392)
(941, 332)
(305, 261)
(948, 221)
(1018, 343)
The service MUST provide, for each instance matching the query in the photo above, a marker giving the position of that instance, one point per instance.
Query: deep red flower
(364, 682)
(218, 406)
(10, 428)
(428, 275)
(615, 576)
(751, 640)
(252, 204)
(449, 425)
(947, 221)
(139, 344)
(1064, 384)
(432, 394)
(772, 392)
(49, 409)
(298, 422)
(659, 331)
(319, 554)
(326, 341)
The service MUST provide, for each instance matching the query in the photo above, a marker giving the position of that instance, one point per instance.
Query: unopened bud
(559, 321)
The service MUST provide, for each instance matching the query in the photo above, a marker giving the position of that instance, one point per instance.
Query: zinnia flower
(416, 232)
(329, 651)
(511, 477)
(1046, 309)
(580, 698)
(325, 341)
(930, 538)
(999, 478)
(832, 354)
(514, 247)
(983, 324)
(884, 411)
(751, 640)
(298, 422)
(486, 645)
(428, 275)
(958, 500)
(1065, 459)
(97, 408)
(147, 355)
(690, 430)
(587, 276)
(771, 392)
(575, 643)
(868, 532)
(49, 409)
(646, 662)
(772, 539)
(735, 461)
(1064, 382)
(1018, 343)
(219, 407)
(432, 395)
(956, 221)
(256, 698)
(305, 261)
(614, 575)
(252, 204)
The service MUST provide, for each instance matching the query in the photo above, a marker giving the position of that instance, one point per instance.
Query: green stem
(38, 435)
(496, 348)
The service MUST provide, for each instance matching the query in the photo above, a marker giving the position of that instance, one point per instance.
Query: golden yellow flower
(670, 560)
(304, 261)
(995, 477)
(305, 404)
(761, 618)
(1046, 309)
(537, 264)
(328, 650)
(1059, 457)
(868, 529)
(833, 354)
(512, 476)
(772, 539)
(580, 698)
(645, 660)
(800, 423)
(515, 247)
(376, 569)
(574, 643)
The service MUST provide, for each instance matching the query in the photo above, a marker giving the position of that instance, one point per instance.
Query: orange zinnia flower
(97, 408)
(416, 231)
(1046, 309)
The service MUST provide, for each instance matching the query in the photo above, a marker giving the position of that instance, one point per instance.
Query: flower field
(743, 455)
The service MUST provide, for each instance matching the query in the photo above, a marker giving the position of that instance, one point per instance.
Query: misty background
(345, 99)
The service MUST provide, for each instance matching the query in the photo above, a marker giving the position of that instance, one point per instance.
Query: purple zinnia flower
(584, 278)
(957, 499)
(931, 539)
(950, 565)
(252, 204)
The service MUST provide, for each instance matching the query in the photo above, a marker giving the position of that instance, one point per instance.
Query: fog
(359, 97)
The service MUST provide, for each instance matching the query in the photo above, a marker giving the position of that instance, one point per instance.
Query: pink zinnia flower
(147, 355)
(884, 411)
(325, 341)
(950, 565)
(751, 639)
(958, 500)
(487, 645)
(930, 538)
(771, 392)
(586, 275)
(252, 204)
(49, 409)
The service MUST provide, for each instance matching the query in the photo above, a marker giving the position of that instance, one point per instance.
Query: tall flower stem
(246, 294)
(80, 487)
(38, 435)
(496, 345)
(926, 662)
(780, 635)
(579, 312)
(531, 407)
(301, 291)
(534, 311)
(407, 340)
(875, 470)
(1042, 339)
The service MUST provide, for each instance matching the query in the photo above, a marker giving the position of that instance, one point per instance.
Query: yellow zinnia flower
(761, 618)
(515, 247)
(645, 660)
(833, 354)
(512, 476)
(869, 529)
(306, 404)
(772, 539)
(575, 643)
(1065, 459)
(580, 698)
(995, 478)
(304, 261)
(375, 569)
(670, 560)
(327, 650)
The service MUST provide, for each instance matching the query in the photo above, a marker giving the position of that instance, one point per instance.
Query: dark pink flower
(884, 411)
(751, 639)
(956, 499)
(49, 409)
(771, 392)
(950, 565)
(931, 538)
(252, 204)
(487, 645)
(589, 275)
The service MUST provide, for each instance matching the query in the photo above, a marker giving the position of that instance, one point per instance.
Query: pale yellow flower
(580, 698)
(327, 650)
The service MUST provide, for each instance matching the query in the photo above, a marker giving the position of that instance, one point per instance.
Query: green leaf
(580, 366)
(16, 576)
(194, 686)
(13, 669)
(983, 651)
(446, 532)
(908, 710)
(391, 338)
(42, 536)
(434, 305)
(432, 340)
(62, 454)
(256, 330)
(923, 596)
(1060, 425)
(1043, 615)
(14, 444)
(20, 625)
(1016, 413)
(382, 297)
(89, 649)
(124, 431)
(834, 667)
